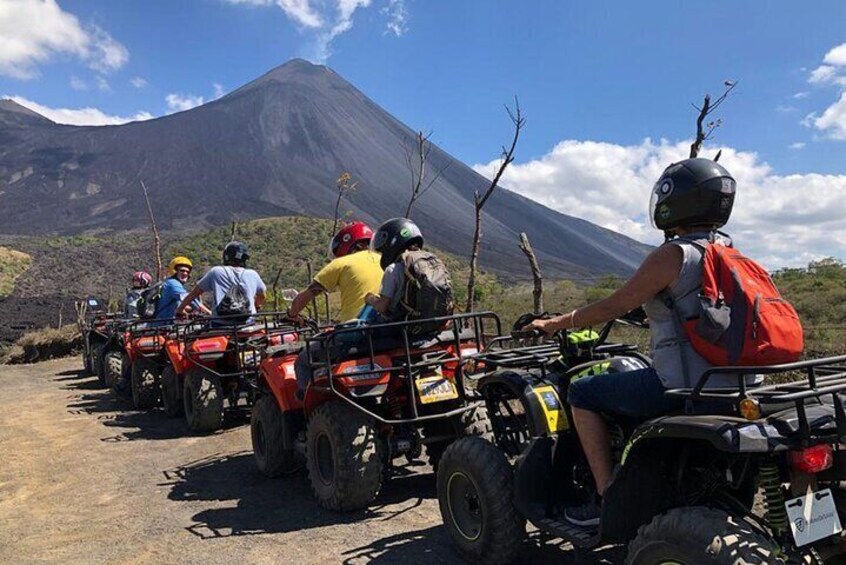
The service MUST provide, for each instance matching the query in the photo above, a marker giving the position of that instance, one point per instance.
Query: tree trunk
(474, 258)
(537, 292)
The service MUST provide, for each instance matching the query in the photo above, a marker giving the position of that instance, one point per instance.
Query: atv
(370, 402)
(685, 485)
(97, 326)
(143, 360)
(213, 367)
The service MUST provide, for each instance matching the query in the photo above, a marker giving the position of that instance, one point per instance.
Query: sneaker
(585, 515)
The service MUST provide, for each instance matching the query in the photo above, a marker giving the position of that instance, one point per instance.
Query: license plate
(813, 517)
(435, 389)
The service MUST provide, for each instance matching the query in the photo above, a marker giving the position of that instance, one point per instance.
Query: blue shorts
(636, 394)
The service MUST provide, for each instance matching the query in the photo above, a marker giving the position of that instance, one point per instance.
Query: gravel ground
(84, 479)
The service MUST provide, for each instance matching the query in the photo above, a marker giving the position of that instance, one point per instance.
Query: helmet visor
(660, 191)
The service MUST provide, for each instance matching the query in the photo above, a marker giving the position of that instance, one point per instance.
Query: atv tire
(144, 381)
(475, 493)
(113, 362)
(689, 536)
(171, 398)
(474, 422)
(345, 457)
(202, 396)
(273, 438)
(98, 362)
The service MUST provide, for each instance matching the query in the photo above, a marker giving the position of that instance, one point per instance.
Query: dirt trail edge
(84, 479)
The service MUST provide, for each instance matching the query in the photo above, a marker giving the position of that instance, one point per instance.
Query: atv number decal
(435, 389)
(813, 517)
(556, 419)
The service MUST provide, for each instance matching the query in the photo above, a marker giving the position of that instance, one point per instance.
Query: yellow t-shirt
(354, 275)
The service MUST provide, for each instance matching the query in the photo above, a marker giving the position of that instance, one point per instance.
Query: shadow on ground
(118, 415)
(278, 506)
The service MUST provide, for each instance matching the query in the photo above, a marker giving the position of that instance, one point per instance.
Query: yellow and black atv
(684, 489)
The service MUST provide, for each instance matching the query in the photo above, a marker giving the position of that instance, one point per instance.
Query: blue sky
(601, 84)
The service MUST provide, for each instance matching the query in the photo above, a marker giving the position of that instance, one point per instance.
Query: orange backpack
(743, 320)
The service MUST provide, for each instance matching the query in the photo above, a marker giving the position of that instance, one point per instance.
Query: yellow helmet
(175, 262)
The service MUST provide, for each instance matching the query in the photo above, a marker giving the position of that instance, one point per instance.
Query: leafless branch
(416, 160)
(344, 188)
(537, 291)
(705, 131)
(157, 242)
(480, 199)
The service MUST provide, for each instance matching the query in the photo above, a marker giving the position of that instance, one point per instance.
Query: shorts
(635, 394)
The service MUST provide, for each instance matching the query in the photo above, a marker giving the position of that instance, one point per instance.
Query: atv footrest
(577, 535)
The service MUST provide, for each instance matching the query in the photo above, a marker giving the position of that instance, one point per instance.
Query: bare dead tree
(313, 306)
(416, 158)
(537, 291)
(481, 198)
(61, 315)
(234, 231)
(704, 131)
(157, 242)
(344, 189)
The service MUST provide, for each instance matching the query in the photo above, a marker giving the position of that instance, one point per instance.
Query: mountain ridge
(274, 147)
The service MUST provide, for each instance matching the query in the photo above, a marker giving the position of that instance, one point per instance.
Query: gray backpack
(426, 292)
(234, 307)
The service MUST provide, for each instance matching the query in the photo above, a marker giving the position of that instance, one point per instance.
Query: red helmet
(344, 241)
(141, 279)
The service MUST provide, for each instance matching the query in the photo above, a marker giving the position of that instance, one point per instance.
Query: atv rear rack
(247, 341)
(454, 329)
(824, 377)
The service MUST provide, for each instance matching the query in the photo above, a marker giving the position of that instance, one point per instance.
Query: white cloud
(78, 84)
(782, 220)
(823, 74)
(102, 84)
(836, 56)
(33, 31)
(218, 91)
(800, 95)
(138, 82)
(797, 145)
(177, 102)
(79, 116)
(324, 20)
(832, 121)
(397, 17)
(785, 109)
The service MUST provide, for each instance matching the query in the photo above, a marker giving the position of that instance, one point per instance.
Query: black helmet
(235, 253)
(393, 237)
(693, 192)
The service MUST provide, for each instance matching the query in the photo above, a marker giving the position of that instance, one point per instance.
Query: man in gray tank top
(691, 200)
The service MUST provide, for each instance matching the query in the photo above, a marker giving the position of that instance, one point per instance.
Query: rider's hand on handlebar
(545, 326)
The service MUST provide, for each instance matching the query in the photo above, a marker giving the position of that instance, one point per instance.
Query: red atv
(367, 404)
(144, 359)
(213, 368)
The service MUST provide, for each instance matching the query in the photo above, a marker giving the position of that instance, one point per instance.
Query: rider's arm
(303, 298)
(259, 299)
(657, 272)
(380, 303)
(196, 292)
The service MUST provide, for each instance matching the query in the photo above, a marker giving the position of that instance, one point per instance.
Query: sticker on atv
(435, 389)
(813, 517)
(556, 419)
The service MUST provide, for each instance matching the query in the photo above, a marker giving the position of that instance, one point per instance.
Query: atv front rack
(417, 356)
(824, 381)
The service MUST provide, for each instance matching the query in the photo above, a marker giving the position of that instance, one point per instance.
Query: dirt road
(84, 479)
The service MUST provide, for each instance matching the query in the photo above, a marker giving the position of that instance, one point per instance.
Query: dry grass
(12, 265)
(43, 344)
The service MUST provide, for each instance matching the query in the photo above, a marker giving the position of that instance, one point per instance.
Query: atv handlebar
(527, 334)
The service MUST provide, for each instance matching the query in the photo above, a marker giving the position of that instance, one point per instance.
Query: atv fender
(533, 479)
(539, 398)
(277, 374)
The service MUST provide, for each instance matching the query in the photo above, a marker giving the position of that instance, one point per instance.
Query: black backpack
(148, 302)
(426, 292)
(234, 307)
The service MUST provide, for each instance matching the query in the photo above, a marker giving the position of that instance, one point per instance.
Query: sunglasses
(184, 271)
